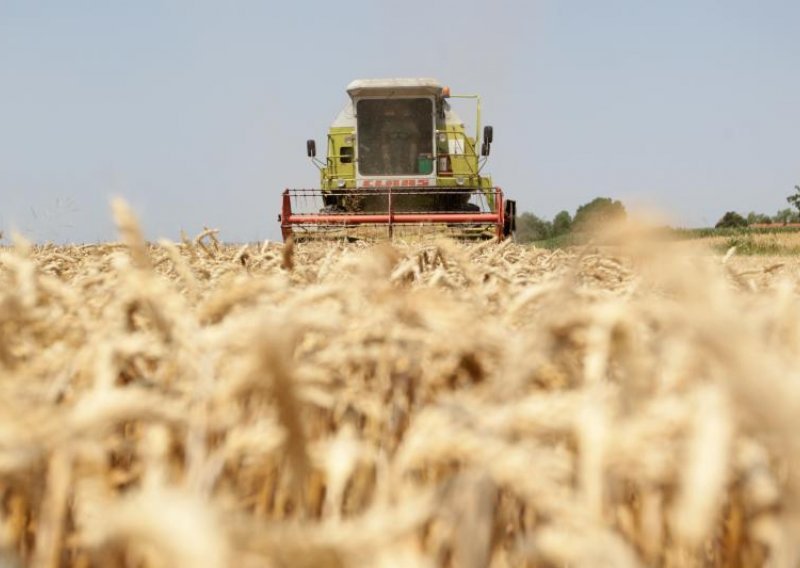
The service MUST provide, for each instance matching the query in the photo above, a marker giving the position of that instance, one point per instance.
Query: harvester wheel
(510, 223)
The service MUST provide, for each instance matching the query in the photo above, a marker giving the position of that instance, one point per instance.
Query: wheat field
(430, 404)
(775, 243)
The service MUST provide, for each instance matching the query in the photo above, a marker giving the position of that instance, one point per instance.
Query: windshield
(395, 136)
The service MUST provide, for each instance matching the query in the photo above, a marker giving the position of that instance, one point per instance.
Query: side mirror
(485, 148)
(488, 134)
(311, 148)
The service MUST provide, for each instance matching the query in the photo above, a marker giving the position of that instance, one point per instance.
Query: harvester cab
(400, 163)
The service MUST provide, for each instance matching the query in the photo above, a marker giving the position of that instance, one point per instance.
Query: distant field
(769, 241)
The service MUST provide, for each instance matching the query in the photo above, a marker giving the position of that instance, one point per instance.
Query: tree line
(599, 211)
(782, 217)
(602, 210)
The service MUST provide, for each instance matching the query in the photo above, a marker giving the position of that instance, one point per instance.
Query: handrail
(477, 114)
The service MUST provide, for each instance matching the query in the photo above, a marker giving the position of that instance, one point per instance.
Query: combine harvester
(400, 164)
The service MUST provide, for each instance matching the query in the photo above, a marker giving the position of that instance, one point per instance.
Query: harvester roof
(388, 87)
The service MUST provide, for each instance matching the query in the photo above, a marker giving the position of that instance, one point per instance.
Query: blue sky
(198, 112)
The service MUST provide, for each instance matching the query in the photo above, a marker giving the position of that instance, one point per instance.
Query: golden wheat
(434, 404)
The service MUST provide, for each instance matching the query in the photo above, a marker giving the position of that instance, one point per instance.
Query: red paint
(397, 182)
(399, 218)
(286, 214)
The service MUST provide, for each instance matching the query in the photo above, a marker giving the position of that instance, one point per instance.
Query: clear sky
(197, 112)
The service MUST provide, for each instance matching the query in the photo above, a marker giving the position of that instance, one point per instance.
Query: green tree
(754, 218)
(786, 216)
(731, 219)
(599, 211)
(795, 198)
(532, 228)
(562, 223)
